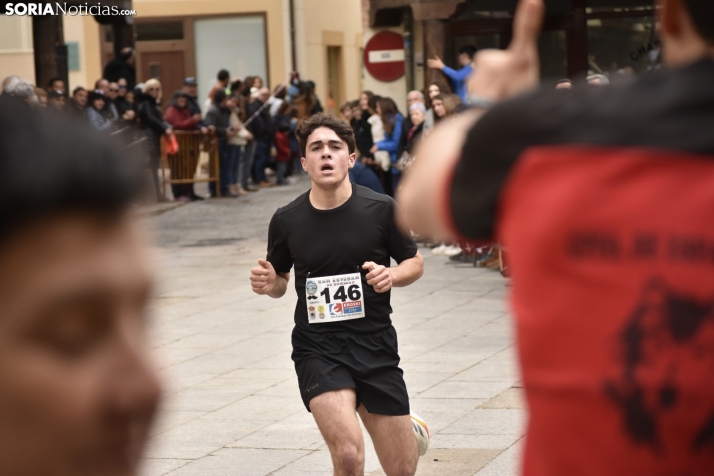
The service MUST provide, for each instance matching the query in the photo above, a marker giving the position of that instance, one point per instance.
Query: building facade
(179, 38)
(324, 40)
(579, 36)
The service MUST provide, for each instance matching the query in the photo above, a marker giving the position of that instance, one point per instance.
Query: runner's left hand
(379, 277)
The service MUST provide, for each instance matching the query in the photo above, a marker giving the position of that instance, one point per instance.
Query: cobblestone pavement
(232, 405)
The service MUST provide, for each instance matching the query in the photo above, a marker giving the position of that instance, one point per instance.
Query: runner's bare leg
(394, 441)
(336, 418)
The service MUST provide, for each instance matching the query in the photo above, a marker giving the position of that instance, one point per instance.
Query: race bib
(334, 298)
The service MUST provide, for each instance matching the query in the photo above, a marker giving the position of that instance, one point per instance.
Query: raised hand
(435, 63)
(500, 74)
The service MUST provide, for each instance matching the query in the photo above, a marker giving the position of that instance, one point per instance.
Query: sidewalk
(232, 405)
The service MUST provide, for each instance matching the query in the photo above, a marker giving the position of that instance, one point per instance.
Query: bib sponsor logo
(311, 287)
(336, 309)
(352, 307)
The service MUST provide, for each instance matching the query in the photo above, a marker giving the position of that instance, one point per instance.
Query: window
(623, 45)
(160, 31)
(234, 43)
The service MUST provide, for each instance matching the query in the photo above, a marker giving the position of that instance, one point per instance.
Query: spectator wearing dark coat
(190, 87)
(362, 128)
(95, 115)
(154, 126)
(122, 67)
(77, 105)
(282, 155)
(417, 116)
(283, 152)
(264, 133)
(218, 116)
(360, 174)
(317, 106)
(125, 108)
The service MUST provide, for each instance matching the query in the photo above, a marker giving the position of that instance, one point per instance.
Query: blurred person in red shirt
(603, 198)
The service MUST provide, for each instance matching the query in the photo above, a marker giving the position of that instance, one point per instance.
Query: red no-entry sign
(384, 56)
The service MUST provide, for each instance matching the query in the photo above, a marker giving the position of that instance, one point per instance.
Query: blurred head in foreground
(78, 387)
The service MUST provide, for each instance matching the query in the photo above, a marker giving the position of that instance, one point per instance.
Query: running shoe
(451, 250)
(421, 433)
(439, 250)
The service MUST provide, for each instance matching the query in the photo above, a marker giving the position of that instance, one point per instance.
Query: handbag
(171, 145)
(404, 162)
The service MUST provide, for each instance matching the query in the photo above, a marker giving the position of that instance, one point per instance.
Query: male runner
(603, 198)
(340, 237)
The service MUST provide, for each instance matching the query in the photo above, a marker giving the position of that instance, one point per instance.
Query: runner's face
(78, 386)
(327, 159)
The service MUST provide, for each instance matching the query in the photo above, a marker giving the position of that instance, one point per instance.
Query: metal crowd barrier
(194, 148)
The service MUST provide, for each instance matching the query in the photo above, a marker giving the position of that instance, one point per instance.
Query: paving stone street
(232, 405)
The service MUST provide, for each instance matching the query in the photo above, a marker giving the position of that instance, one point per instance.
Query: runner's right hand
(262, 277)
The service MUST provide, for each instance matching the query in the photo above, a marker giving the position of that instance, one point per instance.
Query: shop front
(579, 37)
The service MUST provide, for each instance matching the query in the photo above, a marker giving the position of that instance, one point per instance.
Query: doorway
(167, 67)
(335, 79)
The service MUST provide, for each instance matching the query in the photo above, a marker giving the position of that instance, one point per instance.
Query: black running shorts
(369, 363)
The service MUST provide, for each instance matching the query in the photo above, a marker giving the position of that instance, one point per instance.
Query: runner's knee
(350, 457)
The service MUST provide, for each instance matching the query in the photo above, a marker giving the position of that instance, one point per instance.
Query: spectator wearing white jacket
(238, 161)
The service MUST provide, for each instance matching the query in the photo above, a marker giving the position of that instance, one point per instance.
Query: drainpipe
(292, 35)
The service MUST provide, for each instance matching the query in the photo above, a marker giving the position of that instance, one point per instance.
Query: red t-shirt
(604, 199)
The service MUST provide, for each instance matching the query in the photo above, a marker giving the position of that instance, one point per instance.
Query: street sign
(384, 56)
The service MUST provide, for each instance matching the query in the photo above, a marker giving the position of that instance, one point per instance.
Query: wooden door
(167, 67)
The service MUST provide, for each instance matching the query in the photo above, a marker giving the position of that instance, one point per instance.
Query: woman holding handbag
(154, 127)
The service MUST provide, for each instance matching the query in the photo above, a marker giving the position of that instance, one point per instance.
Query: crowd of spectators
(253, 129)
(386, 139)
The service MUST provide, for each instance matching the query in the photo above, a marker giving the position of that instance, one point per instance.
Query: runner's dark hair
(52, 166)
(308, 125)
(702, 13)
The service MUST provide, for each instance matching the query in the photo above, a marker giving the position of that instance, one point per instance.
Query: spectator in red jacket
(178, 114)
(181, 119)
